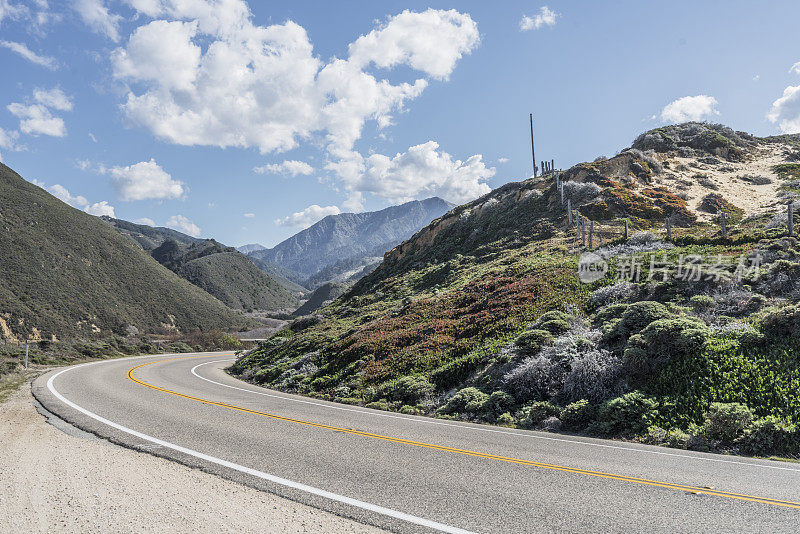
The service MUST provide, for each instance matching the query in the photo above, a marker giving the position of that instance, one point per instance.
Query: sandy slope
(51, 481)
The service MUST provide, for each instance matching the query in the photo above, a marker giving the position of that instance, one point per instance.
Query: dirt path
(51, 481)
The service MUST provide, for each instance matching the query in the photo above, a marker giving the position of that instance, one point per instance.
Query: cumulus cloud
(545, 17)
(248, 215)
(690, 108)
(182, 224)
(95, 14)
(78, 201)
(144, 180)
(308, 216)
(289, 167)
(30, 55)
(36, 118)
(145, 220)
(431, 42)
(503, 160)
(424, 171)
(795, 68)
(204, 74)
(785, 110)
(100, 208)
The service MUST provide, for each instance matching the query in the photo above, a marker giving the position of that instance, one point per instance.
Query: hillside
(222, 271)
(683, 335)
(252, 247)
(324, 294)
(65, 273)
(346, 243)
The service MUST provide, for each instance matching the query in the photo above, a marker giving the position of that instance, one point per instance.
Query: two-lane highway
(412, 473)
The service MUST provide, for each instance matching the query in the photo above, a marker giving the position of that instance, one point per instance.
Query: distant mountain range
(346, 246)
(64, 273)
(222, 271)
(253, 247)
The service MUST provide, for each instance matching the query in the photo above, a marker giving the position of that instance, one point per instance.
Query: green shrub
(577, 415)
(664, 340)
(726, 421)
(506, 419)
(496, 404)
(638, 315)
(782, 322)
(408, 389)
(555, 326)
(410, 410)
(378, 405)
(675, 438)
(702, 302)
(530, 342)
(468, 400)
(630, 414)
(533, 414)
(771, 436)
(179, 346)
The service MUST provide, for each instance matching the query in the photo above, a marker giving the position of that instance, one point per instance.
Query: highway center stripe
(395, 514)
(600, 474)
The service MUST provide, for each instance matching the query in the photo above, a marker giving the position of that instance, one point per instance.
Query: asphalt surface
(414, 474)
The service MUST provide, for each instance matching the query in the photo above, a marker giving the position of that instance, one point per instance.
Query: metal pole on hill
(790, 219)
(26, 355)
(533, 153)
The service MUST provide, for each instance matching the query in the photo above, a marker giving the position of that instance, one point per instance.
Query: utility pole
(533, 153)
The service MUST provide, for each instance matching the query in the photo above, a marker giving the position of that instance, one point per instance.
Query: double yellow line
(600, 474)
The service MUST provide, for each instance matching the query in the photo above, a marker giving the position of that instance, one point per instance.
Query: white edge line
(492, 430)
(247, 470)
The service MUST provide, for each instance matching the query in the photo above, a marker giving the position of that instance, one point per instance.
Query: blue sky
(245, 122)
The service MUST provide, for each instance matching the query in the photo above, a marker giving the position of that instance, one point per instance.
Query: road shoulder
(50, 480)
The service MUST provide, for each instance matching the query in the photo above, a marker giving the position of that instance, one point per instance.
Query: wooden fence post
(669, 229)
(790, 219)
(591, 234)
(583, 231)
(626, 229)
(552, 164)
(569, 211)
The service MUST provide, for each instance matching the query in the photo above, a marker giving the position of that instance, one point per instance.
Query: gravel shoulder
(52, 481)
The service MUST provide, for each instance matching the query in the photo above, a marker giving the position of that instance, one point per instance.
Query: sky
(248, 121)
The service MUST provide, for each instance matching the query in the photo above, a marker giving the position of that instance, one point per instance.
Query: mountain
(222, 271)
(351, 240)
(64, 273)
(685, 334)
(324, 294)
(253, 247)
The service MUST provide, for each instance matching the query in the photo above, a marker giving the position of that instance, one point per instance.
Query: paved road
(413, 474)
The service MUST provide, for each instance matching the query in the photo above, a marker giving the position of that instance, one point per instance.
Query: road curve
(414, 474)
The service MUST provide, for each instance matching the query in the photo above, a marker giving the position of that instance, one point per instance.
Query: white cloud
(36, 119)
(786, 110)
(308, 216)
(503, 160)
(12, 11)
(95, 14)
(145, 220)
(144, 180)
(249, 215)
(205, 74)
(430, 42)
(689, 108)
(92, 137)
(53, 98)
(795, 68)
(8, 139)
(61, 193)
(83, 164)
(423, 171)
(289, 167)
(545, 17)
(100, 208)
(78, 201)
(182, 224)
(30, 55)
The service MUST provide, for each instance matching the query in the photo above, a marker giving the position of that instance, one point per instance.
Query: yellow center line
(600, 474)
